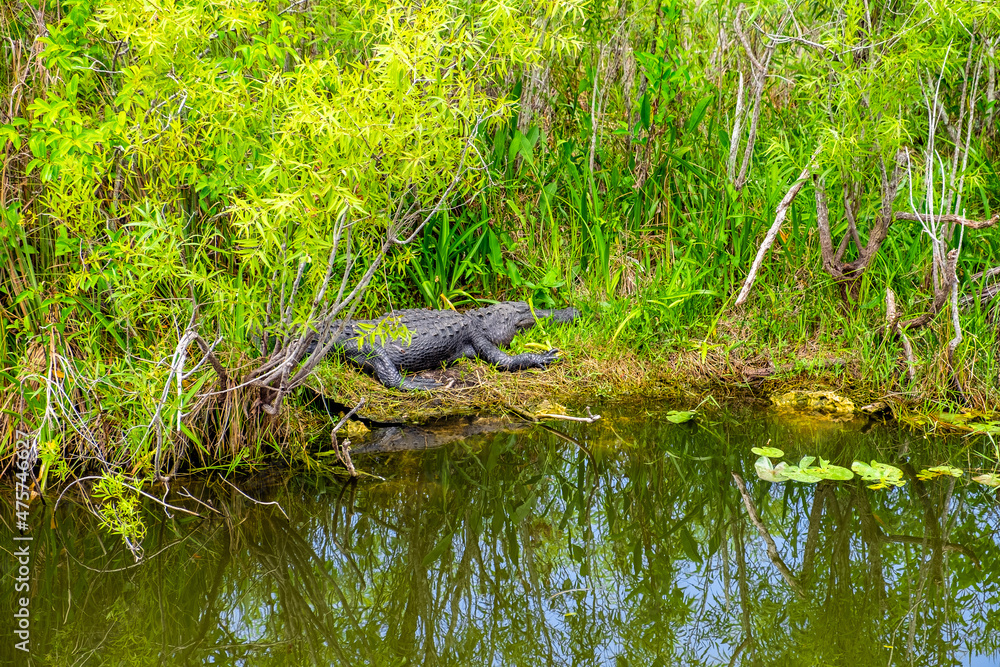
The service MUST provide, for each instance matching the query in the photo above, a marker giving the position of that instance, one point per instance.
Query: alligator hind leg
(386, 372)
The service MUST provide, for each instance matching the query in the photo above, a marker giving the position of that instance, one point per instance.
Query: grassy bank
(602, 359)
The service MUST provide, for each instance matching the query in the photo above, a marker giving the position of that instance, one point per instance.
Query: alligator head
(501, 321)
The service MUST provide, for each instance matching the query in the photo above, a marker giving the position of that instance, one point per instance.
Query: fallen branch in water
(588, 420)
(184, 493)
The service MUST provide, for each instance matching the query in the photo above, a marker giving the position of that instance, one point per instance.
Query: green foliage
(194, 167)
(448, 260)
(120, 511)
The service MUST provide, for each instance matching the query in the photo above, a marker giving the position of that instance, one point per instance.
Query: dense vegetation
(189, 187)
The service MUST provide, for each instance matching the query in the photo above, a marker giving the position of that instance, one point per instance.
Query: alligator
(418, 340)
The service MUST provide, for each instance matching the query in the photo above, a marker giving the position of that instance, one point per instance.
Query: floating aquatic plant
(771, 452)
(991, 480)
(826, 470)
(680, 416)
(769, 472)
(882, 474)
(939, 471)
(803, 472)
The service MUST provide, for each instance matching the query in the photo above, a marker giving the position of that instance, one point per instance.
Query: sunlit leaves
(772, 452)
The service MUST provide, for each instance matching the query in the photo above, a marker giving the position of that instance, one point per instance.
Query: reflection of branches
(872, 535)
(741, 576)
(772, 549)
(573, 440)
(254, 500)
(64, 543)
(210, 615)
(935, 543)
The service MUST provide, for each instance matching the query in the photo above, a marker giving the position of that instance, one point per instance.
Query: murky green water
(632, 547)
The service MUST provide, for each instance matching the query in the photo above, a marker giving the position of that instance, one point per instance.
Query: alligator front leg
(491, 354)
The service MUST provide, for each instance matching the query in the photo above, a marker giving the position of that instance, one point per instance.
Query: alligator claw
(551, 355)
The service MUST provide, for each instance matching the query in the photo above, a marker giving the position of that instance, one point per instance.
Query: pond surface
(630, 546)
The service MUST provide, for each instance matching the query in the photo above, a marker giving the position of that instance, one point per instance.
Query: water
(631, 546)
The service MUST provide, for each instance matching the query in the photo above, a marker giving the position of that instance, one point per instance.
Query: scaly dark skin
(442, 337)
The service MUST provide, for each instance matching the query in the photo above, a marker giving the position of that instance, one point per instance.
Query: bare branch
(941, 294)
(948, 219)
(780, 213)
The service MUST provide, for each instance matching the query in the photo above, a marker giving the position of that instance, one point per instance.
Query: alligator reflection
(634, 548)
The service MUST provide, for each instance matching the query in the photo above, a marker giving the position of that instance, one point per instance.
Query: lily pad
(991, 480)
(955, 417)
(772, 452)
(799, 475)
(826, 470)
(680, 416)
(939, 471)
(769, 472)
(882, 474)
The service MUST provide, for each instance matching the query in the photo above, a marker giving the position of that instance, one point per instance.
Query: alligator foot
(413, 384)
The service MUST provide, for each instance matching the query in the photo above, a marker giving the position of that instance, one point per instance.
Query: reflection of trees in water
(882, 575)
(527, 550)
